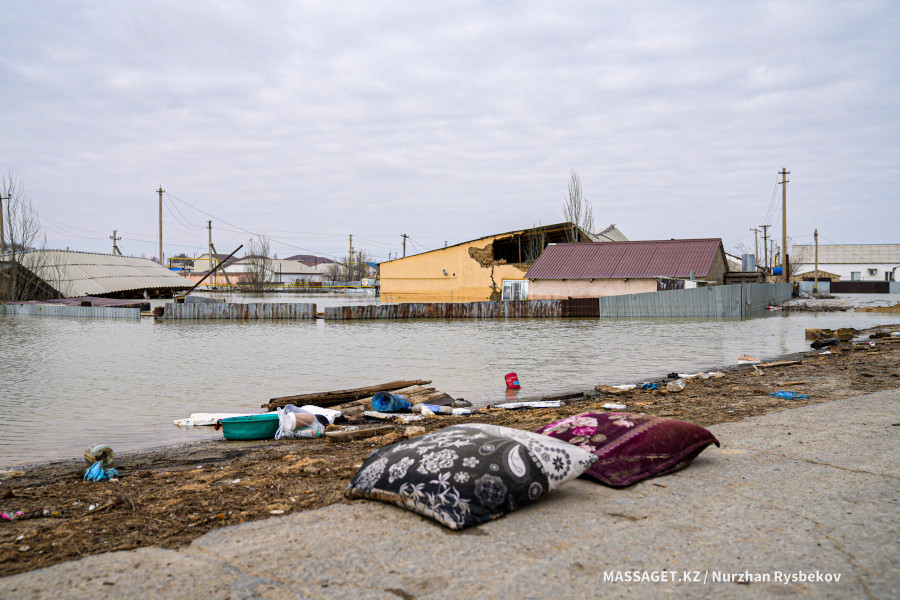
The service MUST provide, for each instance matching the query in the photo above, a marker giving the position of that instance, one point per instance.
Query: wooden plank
(358, 434)
(780, 363)
(326, 399)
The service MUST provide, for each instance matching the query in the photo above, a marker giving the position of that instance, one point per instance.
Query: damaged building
(488, 268)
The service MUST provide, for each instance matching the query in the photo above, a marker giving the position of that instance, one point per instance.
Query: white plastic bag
(287, 426)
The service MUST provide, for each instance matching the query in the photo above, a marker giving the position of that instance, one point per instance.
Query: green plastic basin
(253, 427)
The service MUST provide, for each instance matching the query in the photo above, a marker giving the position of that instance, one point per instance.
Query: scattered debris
(675, 386)
(833, 341)
(789, 395)
(347, 435)
(748, 360)
(614, 406)
(537, 404)
(512, 381)
(780, 363)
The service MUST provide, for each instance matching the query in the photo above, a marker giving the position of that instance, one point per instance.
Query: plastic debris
(512, 381)
(291, 424)
(198, 419)
(614, 406)
(96, 472)
(386, 402)
(434, 408)
(675, 386)
(12, 517)
(98, 452)
(748, 360)
(538, 404)
(833, 341)
(649, 386)
(624, 386)
(403, 418)
(789, 395)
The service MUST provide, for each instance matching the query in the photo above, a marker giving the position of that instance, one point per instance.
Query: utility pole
(784, 256)
(2, 238)
(765, 229)
(114, 239)
(160, 192)
(404, 236)
(816, 272)
(350, 261)
(756, 245)
(210, 253)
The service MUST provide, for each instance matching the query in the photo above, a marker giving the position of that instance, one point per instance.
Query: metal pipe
(180, 298)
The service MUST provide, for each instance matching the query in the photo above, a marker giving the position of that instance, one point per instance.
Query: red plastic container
(512, 381)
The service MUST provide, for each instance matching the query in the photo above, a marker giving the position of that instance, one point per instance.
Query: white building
(852, 262)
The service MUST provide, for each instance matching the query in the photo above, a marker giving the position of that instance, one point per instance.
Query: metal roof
(848, 254)
(618, 260)
(90, 274)
(610, 234)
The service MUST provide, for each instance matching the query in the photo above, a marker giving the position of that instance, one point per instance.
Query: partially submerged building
(847, 262)
(71, 274)
(616, 268)
(492, 267)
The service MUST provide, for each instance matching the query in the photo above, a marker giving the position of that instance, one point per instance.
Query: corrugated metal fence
(450, 310)
(715, 301)
(251, 310)
(64, 310)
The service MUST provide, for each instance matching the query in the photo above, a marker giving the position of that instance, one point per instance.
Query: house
(616, 268)
(847, 262)
(492, 267)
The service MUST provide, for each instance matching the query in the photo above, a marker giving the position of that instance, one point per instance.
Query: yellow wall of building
(460, 273)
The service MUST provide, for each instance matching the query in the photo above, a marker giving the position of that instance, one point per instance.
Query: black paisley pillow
(464, 475)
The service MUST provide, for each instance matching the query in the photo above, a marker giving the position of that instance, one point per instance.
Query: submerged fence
(251, 310)
(716, 301)
(66, 310)
(450, 310)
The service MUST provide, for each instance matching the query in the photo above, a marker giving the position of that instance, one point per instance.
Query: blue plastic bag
(385, 402)
(649, 386)
(789, 395)
(96, 472)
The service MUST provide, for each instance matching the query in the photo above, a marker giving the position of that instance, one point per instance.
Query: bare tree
(332, 272)
(20, 234)
(259, 274)
(534, 244)
(577, 209)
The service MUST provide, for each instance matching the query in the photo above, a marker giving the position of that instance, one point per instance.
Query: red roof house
(591, 270)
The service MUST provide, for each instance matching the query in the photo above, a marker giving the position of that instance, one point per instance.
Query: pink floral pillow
(631, 447)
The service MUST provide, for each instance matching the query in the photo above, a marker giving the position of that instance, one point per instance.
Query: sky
(308, 122)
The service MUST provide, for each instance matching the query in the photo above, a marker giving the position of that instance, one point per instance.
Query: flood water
(68, 383)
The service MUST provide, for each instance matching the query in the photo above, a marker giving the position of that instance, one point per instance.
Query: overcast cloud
(309, 121)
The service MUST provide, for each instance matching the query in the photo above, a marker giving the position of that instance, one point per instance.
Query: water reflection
(69, 383)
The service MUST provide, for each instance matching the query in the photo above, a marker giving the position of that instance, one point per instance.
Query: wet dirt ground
(170, 496)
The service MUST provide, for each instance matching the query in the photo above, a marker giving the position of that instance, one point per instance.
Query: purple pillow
(631, 447)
